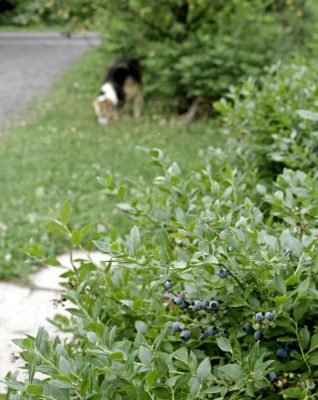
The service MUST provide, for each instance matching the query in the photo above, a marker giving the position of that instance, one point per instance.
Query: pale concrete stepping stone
(23, 309)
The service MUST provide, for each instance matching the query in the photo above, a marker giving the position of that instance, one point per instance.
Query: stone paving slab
(23, 309)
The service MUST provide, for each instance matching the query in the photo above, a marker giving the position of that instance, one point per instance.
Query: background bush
(274, 120)
(199, 48)
(190, 50)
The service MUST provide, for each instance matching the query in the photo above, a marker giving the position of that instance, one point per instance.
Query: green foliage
(275, 119)
(72, 14)
(185, 228)
(197, 49)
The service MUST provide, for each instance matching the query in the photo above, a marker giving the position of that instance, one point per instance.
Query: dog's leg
(138, 103)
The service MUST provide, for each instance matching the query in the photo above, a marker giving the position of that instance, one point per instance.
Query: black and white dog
(122, 85)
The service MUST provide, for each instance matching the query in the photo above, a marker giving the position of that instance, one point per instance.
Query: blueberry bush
(276, 126)
(207, 297)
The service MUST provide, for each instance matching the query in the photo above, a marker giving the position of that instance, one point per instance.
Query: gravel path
(30, 62)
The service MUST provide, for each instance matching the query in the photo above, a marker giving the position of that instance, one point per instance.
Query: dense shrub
(275, 119)
(207, 298)
(197, 49)
(69, 14)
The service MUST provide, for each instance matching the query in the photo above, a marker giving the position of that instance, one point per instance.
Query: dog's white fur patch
(109, 93)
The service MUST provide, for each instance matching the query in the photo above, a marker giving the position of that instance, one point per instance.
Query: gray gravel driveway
(30, 62)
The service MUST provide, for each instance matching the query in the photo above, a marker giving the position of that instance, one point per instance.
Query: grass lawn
(61, 151)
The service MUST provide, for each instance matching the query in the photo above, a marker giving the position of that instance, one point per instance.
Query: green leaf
(102, 245)
(313, 358)
(151, 377)
(15, 385)
(65, 366)
(204, 369)
(314, 342)
(224, 344)
(303, 286)
(57, 390)
(279, 284)
(181, 354)
(32, 369)
(304, 337)
(300, 309)
(56, 228)
(133, 241)
(232, 371)
(163, 246)
(145, 355)
(41, 340)
(281, 300)
(159, 339)
(294, 393)
(65, 212)
(34, 389)
(253, 355)
(292, 280)
(141, 326)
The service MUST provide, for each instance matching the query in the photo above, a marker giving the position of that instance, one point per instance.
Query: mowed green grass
(61, 151)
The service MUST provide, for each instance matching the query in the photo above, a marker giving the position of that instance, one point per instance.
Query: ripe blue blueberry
(287, 252)
(258, 335)
(205, 303)
(184, 305)
(272, 376)
(176, 326)
(225, 333)
(247, 327)
(269, 316)
(289, 346)
(168, 285)
(223, 273)
(185, 335)
(259, 316)
(211, 331)
(198, 305)
(178, 301)
(281, 354)
(214, 305)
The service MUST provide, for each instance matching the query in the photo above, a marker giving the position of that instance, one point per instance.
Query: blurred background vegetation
(192, 50)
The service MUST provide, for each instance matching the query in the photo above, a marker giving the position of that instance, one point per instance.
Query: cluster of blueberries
(213, 305)
(286, 350)
(280, 381)
(260, 317)
(185, 334)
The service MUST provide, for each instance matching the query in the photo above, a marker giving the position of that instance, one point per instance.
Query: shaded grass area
(60, 153)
